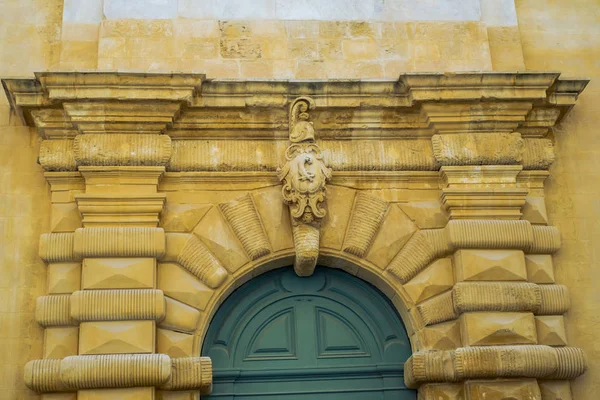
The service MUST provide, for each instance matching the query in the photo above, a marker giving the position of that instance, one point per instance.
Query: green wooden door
(330, 336)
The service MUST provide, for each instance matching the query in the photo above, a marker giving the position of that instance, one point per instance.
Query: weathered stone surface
(60, 342)
(174, 344)
(395, 230)
(435, 279)
(478, 149)
(180, 285)
(499, 390)
(497, 328)
(551, 330)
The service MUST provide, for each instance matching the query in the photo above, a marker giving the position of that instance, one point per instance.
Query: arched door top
(330, 333)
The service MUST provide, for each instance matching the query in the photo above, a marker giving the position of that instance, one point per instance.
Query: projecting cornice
(417, 105)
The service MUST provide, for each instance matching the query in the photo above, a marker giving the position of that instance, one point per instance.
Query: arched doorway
(329, 336)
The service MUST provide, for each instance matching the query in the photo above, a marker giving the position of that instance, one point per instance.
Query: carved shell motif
(304, 177)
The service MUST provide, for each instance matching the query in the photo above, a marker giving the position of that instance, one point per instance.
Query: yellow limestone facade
(169, 151)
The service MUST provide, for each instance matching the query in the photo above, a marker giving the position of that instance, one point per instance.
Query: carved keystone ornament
(304, 176)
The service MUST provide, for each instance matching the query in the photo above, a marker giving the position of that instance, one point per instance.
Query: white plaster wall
(492, 12)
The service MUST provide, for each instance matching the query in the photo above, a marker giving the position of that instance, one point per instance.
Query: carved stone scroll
(304, 176)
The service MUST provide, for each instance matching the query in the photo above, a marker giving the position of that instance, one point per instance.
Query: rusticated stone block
(191, 373)
(57, 155)
(65, 217)
(534, 210)
(180, 285)
(174, 344)
(115, 371)
(367, 215)
(306, 242)
(489, 265)
(63, 278)
(180, 317)
(138, 393)
(60, 342)
(116, 337)
(275, 216)
(539, 268)
(493, 234)
(245, 222)
(551, 330)
(441, 391)
(218, 237)
(422, 248)
(437, 309)
(119, 273)
(118, 305)
(497, 328)
(60, 396)
(478, 148)
(491, 362)
(43, 376)
(444, 336)
(435, 279)
(554, 300)
(120, 149)
(496, 296)
(546, 240)
(396, 229)
(188, 251)
(119, 242)
(537, 154)
(426, 214)
(57, 247)
(54, 310)
(182, 217)
(378, 155)
(502, 390)
(555, 390)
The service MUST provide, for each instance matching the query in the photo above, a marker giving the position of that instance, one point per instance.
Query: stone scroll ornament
(304, 176)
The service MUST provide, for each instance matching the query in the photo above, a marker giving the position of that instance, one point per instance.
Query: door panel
(327, 336)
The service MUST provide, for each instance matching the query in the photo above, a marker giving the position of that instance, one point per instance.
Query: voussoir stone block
(180, 317)
(174, 344)
(396, 229)
(181, 285)
(435, 279)
(117, 337)
(489, 265)
(497, 328)
(119, 273)
(182, 217)
(443, 336)
(367, 215)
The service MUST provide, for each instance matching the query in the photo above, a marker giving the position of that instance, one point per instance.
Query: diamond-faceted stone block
(435, 279)
(179, 284)
(182, 217)
(489, 265)
(63, 278)
(539, 268)
(174, 344)
(551, 330)
(119, 273)
(497, 328)
(117, 337)
(443, 336)
(60, 342)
